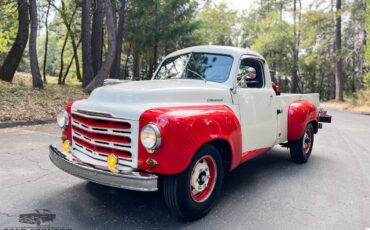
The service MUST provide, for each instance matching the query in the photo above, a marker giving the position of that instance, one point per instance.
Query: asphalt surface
(331, 191)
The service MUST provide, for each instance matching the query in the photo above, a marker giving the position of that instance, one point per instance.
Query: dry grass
(20, 102)
(360, 102)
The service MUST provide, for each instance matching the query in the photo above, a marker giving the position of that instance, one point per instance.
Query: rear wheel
(300, 150)
(192, 193)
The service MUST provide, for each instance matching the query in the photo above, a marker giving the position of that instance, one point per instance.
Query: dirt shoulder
(19, 102)
(365, 109)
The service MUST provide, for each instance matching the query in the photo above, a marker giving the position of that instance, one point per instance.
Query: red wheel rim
(307, 141)
(203, 178)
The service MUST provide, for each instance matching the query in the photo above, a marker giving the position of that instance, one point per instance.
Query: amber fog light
(66, 145)
(112, 161)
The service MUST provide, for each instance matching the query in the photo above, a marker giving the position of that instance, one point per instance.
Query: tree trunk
(116, 67)
(294, 85)
(125, 73)
(339, 59)
(60, 76)
(35, 70)
(11, 62)
(88, 73)
(136, 66)
(75, 54)
(97, 35)
(332, 58)
(46, 42)
(70, 64)
(105, 68)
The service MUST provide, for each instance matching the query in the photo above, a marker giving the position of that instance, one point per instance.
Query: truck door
(257, 105)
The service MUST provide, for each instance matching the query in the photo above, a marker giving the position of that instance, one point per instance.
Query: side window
(250, 74)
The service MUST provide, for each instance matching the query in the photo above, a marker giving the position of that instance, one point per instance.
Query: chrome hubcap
(200, 177)
(203, 179)
(306, 141)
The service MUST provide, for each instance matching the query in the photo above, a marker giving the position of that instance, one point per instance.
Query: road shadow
(97, 206)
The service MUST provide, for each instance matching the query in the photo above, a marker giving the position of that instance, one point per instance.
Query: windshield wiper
(198, 74)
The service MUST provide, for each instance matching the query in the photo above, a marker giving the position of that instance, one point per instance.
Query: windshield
(202, 66)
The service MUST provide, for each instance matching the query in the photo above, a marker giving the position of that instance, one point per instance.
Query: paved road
(331, 191)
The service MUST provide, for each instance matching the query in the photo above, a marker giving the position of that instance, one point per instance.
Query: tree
(217, 24)
(36, 76)
(46, 41)
(295, 67)
(106, 66)
(67, 12)
(116, 66)
(339, 58)
(12, 60)
(88, 73)
(97, 35)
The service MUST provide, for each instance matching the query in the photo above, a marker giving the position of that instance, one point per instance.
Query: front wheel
(191, 194)
(300, 150)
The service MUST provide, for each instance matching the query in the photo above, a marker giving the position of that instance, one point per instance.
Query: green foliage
(367, 80)
(217, 25)
(367, 48)
(8, 26)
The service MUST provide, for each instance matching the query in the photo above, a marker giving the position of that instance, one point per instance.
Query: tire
(300, 150)
(187, 202)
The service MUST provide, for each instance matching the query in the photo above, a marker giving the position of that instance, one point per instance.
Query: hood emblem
(214, 100)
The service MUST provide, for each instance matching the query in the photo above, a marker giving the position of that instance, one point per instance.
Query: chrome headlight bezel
(150, 129)
(63, 119)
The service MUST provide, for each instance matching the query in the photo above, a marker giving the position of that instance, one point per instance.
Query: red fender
(184, 129)
(68, 131)
(301, 112)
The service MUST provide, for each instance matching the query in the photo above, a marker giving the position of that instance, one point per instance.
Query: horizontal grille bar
(101, 123)
(101, 130)
(100, 149)
(103, 137)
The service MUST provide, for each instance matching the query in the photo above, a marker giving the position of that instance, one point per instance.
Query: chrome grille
(97, 136)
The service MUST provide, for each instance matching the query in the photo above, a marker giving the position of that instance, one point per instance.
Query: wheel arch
(224, 147)
(301, 113)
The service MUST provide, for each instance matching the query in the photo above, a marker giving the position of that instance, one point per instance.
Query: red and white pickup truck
(206, 110)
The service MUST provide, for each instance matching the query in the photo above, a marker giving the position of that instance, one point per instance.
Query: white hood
(129, 100)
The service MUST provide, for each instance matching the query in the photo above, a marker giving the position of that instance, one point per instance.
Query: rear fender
(184, 129)
(301, 113)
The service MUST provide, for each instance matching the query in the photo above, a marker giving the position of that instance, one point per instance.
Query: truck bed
(283, 101)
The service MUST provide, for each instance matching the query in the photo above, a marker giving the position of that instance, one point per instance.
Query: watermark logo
(41, 219)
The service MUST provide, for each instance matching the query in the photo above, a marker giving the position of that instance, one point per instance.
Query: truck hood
(130, 100)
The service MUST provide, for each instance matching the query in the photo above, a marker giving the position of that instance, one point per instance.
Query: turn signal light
(112, 161)
(151, 162)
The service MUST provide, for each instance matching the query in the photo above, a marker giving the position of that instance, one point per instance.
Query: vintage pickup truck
(206, 110)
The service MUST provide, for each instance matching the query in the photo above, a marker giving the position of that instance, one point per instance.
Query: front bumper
(131, 181)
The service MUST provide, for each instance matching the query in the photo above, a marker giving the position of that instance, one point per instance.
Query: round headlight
(62, 119)
(150, 136)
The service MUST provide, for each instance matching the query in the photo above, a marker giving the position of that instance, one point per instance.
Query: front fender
(300, 114)
(184, 129)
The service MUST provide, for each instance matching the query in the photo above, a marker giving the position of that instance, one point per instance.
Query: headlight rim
(63, 113)
(158, 140)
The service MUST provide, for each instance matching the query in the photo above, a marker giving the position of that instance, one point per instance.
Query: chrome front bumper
(131, 181)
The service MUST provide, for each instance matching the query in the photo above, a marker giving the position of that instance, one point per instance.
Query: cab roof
(236, 52)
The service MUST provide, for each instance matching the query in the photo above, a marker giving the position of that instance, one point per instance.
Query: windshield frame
(187, 61)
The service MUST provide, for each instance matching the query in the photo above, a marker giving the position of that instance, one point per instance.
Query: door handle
(279, 111)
